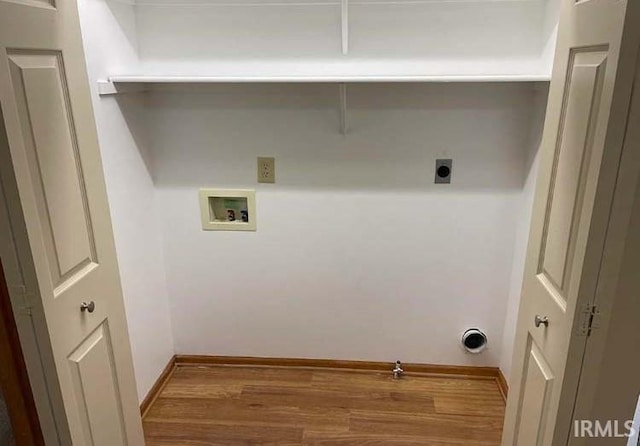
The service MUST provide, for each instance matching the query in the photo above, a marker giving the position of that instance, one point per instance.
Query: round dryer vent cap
(474, 340)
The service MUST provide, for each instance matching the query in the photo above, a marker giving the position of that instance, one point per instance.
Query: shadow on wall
(211, 134)
(376, 31)
(124, 19)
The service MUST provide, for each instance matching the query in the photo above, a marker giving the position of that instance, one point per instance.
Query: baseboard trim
(469, 372)
(503, 385)
(423, 369)
(157, 387)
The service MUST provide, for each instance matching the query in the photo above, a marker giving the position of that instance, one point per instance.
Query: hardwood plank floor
(243, 405)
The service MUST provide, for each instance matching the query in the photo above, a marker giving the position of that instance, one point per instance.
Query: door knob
(90, 307)
(541, 320)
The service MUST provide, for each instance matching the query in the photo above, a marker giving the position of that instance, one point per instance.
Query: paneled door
(51, 161)
(580, 155)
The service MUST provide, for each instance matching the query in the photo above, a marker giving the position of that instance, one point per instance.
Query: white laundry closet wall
(525, 203)
(108, 30)
(358, 255)
(303, 37)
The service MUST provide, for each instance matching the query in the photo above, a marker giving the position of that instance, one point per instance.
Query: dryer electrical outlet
(266, 170)
(444, 169)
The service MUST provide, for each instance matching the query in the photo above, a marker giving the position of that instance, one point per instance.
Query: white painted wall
(550, 30)
(438, 38)
(110, 43)
(523, 225)
(358, 255)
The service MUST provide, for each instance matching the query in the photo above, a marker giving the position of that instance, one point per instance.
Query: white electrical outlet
(266, 170)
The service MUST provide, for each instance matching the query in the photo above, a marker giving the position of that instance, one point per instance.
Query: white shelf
(338, 70)
(421, 41)
(116, 84)
(136, 83)
(157, 79)
(282, 3)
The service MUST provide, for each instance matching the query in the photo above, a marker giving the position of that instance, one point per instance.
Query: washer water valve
(397, 370)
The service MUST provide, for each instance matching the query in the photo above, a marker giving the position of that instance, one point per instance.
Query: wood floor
(232, 405)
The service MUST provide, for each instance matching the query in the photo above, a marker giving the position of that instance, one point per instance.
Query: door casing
(14, 379)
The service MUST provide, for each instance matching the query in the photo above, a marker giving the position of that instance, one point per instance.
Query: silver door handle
(90, 307)
(541, 320)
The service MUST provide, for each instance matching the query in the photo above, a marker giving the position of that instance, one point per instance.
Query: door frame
(14, 380)
(17, 265)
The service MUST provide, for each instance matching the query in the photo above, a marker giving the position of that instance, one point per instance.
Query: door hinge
(589, 320)
(25, 305)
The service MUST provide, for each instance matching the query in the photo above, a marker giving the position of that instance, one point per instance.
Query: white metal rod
(343, 108)
(345, 26)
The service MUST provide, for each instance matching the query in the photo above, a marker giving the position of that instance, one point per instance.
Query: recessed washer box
(228, 209)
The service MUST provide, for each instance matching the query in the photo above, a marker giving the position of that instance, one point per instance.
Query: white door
(580, 153)
(61, 210)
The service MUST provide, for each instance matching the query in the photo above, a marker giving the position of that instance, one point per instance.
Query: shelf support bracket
(106, 88)
(343, 108)
(344, 13)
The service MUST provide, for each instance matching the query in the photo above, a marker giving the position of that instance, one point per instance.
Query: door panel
(56, 171)
(535, 397)
(59, 205)
(572, 157)
(46, 3)
(92, 362)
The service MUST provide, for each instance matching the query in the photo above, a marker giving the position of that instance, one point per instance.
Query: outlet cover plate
(266, 170)
(444, 170)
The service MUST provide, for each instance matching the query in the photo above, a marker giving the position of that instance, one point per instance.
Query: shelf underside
(154, 79)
